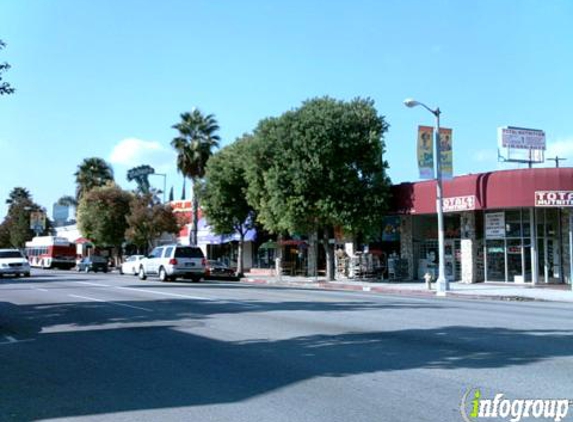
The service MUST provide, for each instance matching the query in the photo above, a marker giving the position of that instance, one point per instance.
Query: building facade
(505, 226)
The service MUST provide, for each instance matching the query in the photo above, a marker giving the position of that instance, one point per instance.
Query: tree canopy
(102, 215)
(92, 172)
(15, 229)
(224, 197)
(320, 166)
(147, 220)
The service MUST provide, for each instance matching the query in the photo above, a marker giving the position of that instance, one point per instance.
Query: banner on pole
(425, 152)
(446, 156)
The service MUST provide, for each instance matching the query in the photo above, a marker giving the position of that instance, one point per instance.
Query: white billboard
(521, 138)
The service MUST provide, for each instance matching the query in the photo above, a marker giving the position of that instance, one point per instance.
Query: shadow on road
(110, 361)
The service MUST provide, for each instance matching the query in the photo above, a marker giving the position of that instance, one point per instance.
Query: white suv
(172, 261)
(14, 263)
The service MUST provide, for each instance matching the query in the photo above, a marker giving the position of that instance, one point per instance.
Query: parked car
(93, 263)
(172, 261)
(131, 264)
(217, 269)
(13, 262)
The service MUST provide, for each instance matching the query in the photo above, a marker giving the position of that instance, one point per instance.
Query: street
(106, 347)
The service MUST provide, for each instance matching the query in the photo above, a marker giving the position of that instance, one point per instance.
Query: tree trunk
(329, 249)
(194, 216)
(240, 255)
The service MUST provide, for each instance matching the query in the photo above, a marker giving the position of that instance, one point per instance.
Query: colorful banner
(446, 157)
(425, 153)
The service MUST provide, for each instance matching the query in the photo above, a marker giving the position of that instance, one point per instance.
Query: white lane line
(234, 302)
(165, 293)
(12, 340)
(40, 290)
(111, 303)
(93, 284)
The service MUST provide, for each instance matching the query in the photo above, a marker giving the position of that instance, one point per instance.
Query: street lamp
(442, 283)
(164, 182)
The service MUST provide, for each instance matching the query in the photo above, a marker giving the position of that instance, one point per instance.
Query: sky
(109, 78)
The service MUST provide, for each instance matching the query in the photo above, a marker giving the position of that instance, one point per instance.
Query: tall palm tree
(18, 194)
(91, 173)
(194, 145)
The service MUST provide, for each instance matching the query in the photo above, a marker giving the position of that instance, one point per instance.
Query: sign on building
(554, 198)
(459, 203)
(495, 225)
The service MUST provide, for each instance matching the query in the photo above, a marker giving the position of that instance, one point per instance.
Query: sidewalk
(497, 291)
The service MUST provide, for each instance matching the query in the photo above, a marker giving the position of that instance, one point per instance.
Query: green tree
(5, 87)
(147, 220)
(224, 199)
(102, 215)
(67, 201)
(140, 175)
(194, 145)
(319, 167)
(92, 172)
(16, 226)
(18, 194)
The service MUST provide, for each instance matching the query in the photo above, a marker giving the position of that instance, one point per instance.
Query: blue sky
(109, 78)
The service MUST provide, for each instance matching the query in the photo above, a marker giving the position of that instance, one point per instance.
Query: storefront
(505, 226)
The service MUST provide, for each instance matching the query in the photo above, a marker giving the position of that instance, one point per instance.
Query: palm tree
(194, 145)
(92, 172)
(67, 201)
(17, 195)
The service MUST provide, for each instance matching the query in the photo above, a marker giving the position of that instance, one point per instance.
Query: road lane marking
(93, 284)
(234, 302)
(12, 340)
(40, 290)
(111, 303)
(166, 294)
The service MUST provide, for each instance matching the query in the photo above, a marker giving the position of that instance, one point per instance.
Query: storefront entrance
(509, 252)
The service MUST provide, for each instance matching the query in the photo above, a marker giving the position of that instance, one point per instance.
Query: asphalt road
(105, 347)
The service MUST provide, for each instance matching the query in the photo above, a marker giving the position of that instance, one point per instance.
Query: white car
(13, 262)
(131, 264)
(172, 261)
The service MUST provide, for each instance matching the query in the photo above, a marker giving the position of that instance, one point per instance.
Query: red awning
(81, 240)
(493, 190)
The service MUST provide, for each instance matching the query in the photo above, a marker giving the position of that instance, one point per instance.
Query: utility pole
(557, 159)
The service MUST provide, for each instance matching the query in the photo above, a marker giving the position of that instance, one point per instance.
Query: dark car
(217, 269)
(93, 263)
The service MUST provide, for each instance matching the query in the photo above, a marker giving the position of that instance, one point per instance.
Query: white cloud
(133, 152)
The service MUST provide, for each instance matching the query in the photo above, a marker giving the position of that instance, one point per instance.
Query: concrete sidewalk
(499, 291)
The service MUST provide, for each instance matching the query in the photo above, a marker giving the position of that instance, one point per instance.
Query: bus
(51, 252)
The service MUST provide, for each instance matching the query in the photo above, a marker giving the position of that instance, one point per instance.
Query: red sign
(554, 198)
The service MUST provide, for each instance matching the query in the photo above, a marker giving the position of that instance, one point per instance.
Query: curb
(322, 285)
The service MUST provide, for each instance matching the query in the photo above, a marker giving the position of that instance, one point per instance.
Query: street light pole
(442, 284)
(164, 182)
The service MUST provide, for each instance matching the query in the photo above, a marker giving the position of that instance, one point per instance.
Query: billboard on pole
(521, 145)
(37, 221)
(425, 152)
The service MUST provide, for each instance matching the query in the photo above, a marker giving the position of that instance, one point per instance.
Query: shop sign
(459, 203)
(554, 198)
(495, 225)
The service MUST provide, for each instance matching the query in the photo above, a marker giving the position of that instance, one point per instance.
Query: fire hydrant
(428, 278)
